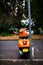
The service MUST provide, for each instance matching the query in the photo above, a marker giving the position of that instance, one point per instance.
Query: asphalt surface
(9, 50)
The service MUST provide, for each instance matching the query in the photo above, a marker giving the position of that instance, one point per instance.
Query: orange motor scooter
(23, 42)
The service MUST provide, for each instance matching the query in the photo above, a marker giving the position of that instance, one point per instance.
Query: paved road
(9, 50)
(9, 53)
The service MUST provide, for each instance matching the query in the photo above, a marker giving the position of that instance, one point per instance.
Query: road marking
(33, 55)
(15, 60)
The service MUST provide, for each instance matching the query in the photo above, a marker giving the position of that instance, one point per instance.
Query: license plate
(25, 50)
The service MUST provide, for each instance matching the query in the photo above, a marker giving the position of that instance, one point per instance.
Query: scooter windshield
(24, 37)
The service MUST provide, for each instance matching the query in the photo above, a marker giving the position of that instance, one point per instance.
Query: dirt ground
(16, 37)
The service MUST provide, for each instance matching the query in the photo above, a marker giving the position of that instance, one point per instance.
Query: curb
(16, 37)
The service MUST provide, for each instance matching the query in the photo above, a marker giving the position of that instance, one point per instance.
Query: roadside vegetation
(13, 11)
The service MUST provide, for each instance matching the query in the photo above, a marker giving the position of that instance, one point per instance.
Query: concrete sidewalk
(16, 37)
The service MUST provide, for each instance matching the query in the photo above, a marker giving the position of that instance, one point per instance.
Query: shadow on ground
(21, 63)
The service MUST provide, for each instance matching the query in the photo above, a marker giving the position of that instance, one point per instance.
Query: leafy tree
(37, 14)
(11, 13)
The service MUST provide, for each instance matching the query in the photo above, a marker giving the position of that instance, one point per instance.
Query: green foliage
(13, 29)
(9, 21)
(3, 34)
(37, 14)
(22, 24)
(26, 8)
